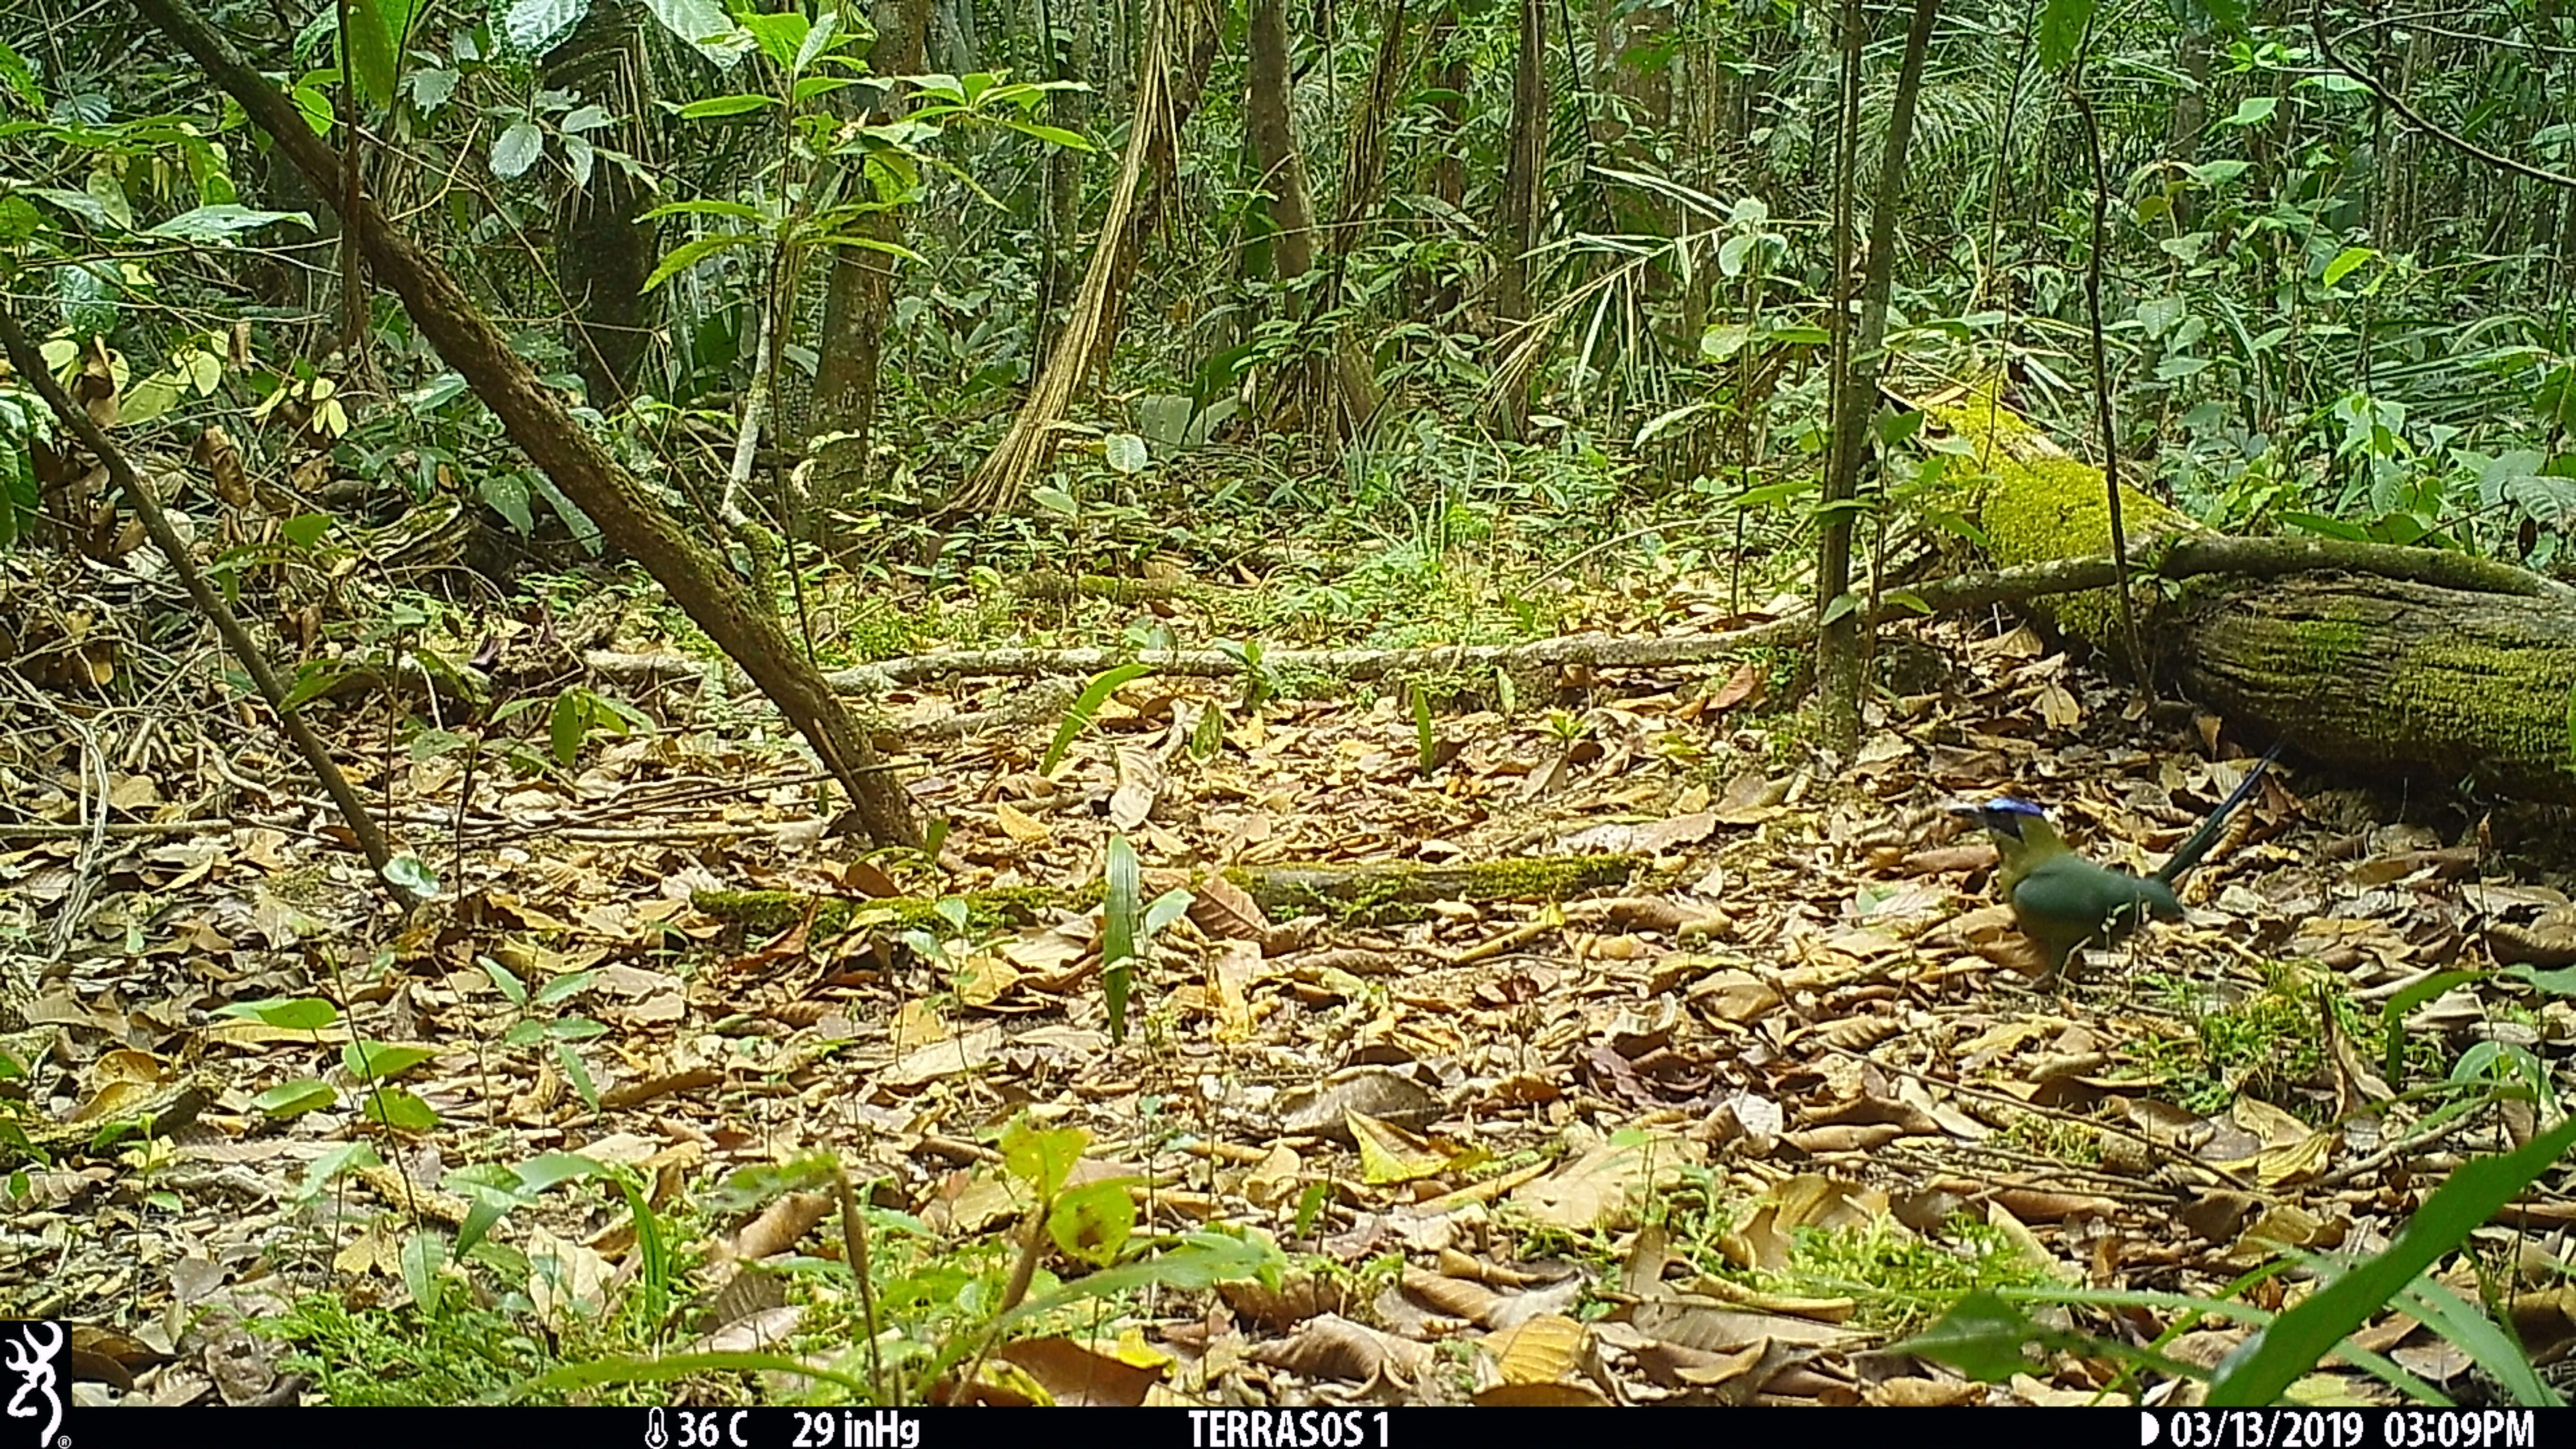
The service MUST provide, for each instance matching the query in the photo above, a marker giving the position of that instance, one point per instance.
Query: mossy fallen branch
(1365, 890)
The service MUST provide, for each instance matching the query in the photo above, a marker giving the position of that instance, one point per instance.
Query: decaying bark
(1341, 888)
(2371, 657)
(2368, 671)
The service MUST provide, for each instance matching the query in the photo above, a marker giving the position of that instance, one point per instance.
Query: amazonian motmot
(2064, 902)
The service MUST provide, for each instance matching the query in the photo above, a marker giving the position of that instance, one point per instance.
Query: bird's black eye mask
(2003, 815)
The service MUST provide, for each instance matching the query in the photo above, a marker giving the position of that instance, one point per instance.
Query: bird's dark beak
(1977, 815)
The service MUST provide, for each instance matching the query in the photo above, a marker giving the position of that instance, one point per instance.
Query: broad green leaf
(576, 522)
(1767, 494)
(393, 1107)
(531, 26)
(568, 725)
(2310, 1329)
(516, 149)
(424, 1256)
(1723, 340)
(315, 103)
(313, 678)
(486, 1205)
(1987, 1336)
(2349, 258)
(377, 1061)
(808, 87)
(1052, 135)
(701, 23)
(222, 223)
(293, 1013)
(19, 495)
(435, 393)
(373, 50)
(413, 874)
(21, 81)
(1093, 1222)
(1084, 707)
(816, 41)
(504, 980)
(548, 1168)
(577, 1072)
(148, 399)
(1125, 452)
(432, 88)
(779, 35)
(2253, 111)
(1119, 941)
(507, 495)
(2061, 30)
(1168, 907)
(1042, 1157)
(2548, 498)
(689, 254)
(79, 203)
(2560, 981)
(347, 1157)
(109, 189)
(291, 1099)
(732, 105)
(564, 987)
(1202, 1260)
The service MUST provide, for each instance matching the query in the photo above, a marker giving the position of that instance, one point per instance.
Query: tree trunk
(856, 301)
(1064, 164)
(627, 513)
(1516, 220)
(1444, 54)
(1356, 396)
(1838, 647)
(1177, 55)
(1271, 130)
(603, 252)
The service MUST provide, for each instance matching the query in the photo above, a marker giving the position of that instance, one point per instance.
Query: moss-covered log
(1371, 888)
(1364, 890)
(2362, 655)
(2370, 671)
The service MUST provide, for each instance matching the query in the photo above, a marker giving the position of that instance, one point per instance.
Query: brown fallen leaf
(637, 1093)
(1301, 1295)
(1606, 1187)
(780, 1226)
(1333, 1347)
(1076, 1376)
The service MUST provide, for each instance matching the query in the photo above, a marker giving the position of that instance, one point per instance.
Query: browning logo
(29, 1353)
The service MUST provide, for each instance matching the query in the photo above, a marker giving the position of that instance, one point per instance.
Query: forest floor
(1721, 1134)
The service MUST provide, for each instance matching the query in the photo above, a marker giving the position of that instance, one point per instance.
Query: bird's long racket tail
(2205, 839)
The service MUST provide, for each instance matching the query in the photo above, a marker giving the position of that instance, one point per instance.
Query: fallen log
(1350, 890)
(2374, 658)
